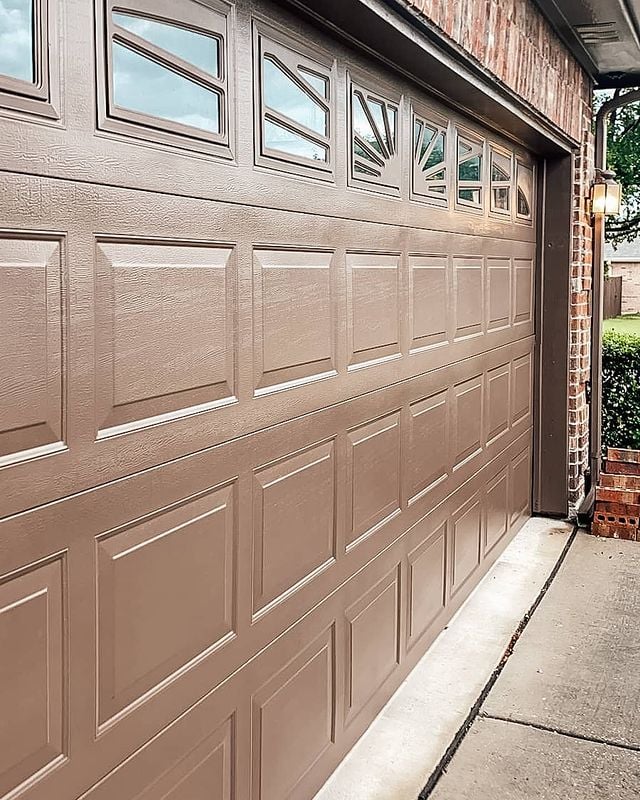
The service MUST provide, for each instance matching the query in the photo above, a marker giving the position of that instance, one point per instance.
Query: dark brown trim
(551, 450)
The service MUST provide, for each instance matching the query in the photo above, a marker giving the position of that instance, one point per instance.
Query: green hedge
(621, 390)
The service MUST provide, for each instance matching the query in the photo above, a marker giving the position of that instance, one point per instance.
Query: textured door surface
(266, 336)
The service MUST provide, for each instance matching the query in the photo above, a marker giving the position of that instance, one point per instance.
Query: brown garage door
(265, 380)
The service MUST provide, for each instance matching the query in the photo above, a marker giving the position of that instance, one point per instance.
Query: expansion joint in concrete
(562, 732)
(451, 750)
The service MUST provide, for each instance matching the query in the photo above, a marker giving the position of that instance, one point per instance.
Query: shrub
(621, 390)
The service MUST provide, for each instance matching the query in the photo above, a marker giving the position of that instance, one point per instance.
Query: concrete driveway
(563, 717)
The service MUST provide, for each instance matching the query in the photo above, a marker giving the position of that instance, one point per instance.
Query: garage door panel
(469, 409)
(499, 305)
(373, 641)
(373, 476)
(165, 318)
(429, 300)
(523, 289)
(428, 457)
(498, 401)
(160, 707)
(32, 673)
(33, 333)
(295, 522)
(294, 317)
(522, 385)
(468, 280)
(155, 384)
(293, 720)
(150, 623)
(373, 306)
(172, 483)
(497, 510)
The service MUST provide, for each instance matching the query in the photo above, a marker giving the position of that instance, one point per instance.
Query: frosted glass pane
(196, 48)
(279, 138)
(16, 39)
(282, 94)
(142, 85)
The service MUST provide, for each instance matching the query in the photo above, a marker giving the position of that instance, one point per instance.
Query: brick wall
(630, 271)
(580, 322)
(516, 46)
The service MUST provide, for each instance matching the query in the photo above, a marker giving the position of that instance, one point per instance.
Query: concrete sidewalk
(563, 718)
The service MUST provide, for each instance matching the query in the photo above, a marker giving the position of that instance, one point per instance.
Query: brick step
(617, 496)
(623, 454)
(623, 513)
(629, 482)
(621, 468)
(612, 530)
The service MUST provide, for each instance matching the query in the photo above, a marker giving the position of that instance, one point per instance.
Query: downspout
(595, 420)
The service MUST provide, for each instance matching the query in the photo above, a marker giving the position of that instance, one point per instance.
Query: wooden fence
(613, 297)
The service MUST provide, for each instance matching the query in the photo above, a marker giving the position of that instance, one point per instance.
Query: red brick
(622, 468)
(631, 482)
(620, 454)
(617, 495)
(612, 531)
(626, 513)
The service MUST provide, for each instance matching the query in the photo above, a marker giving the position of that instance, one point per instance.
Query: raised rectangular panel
(166, 594)
(520, 486)
(204, 773)
(32, 343)
(497, 510)
(428, 452)
(429, 300)
(466, 534)
(32, 714)
(373, 642)
(523, 290)
(293, 720)
(193, 758)
(294, 521)
(499, 270)
(294, 317)
(427, 569)
(374, 306)
(373, 475)
(164, 331)
(497, 401)
(521, 388)
(469, 296)
(468, 414)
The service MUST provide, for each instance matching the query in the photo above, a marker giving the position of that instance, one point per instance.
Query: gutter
(585, 511)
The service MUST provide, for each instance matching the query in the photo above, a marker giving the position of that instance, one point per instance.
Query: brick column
(580, 316)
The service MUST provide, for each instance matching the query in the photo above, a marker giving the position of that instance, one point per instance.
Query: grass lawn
(628, 323)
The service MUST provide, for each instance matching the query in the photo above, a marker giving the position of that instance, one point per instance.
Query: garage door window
(525, 192)
(374, 137)
(429, 161)
(168, 75)
(501, 169)
(470, 168)
(23, 48)
(295, 102)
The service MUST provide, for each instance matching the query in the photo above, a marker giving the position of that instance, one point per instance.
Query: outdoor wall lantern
(605, 194)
